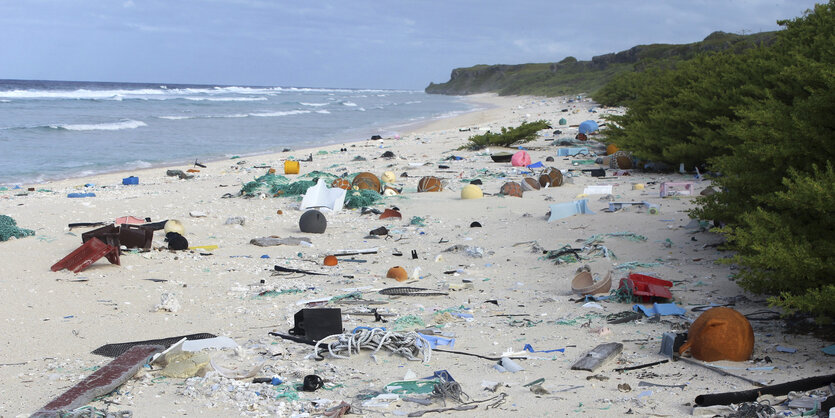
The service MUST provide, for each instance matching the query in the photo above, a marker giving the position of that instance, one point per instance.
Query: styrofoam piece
(598, 189)
(216, 342)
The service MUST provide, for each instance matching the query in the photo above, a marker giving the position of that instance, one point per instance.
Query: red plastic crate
(85, 255)
(647, 287)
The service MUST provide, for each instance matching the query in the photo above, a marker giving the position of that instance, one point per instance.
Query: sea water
(57, 129)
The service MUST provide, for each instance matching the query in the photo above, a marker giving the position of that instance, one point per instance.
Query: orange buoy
(341, 183)
(611, 149)
(397, 273)
(430, 184)
(330, 260)
(512, 189)
(391, 213)
(720, 334)
(366, 181)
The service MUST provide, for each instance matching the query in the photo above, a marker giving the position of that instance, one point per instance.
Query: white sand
(51, 321)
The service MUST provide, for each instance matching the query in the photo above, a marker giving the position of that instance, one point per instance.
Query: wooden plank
(599, 355)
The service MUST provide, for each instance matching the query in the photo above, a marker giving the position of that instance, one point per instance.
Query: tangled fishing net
(360, 198)
(279, 186)
(9, 228)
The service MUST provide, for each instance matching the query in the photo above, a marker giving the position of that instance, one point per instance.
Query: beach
(503, 292)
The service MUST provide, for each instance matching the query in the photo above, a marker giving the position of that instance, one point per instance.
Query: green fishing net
(360, 198)
(264, 184)
(276, 185)
(408, 322)
(9, 228)
(328, 177)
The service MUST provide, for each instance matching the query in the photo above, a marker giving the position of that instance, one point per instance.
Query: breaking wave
(113, 126)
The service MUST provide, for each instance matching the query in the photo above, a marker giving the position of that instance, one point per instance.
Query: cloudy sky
(401, 44)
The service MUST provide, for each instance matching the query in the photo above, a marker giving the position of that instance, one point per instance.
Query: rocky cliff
(571, 76)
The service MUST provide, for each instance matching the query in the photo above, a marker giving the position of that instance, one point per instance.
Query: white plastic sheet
(322, 196)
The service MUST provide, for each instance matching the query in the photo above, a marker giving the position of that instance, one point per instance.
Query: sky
(402, 44)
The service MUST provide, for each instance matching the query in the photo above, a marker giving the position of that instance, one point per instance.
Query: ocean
(60, 129)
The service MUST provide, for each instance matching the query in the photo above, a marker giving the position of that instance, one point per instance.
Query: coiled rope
(410, 345)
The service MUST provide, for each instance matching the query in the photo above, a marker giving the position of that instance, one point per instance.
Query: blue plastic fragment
(660, 309)
(434, 341)
(784, 349)
(537, 164)
(265, 256)
(78, 195)
(830, 350)
(530, 349)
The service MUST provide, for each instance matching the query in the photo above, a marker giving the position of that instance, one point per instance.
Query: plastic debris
(9, 229)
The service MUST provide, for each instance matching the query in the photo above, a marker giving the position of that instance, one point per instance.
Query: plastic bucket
(291, 167)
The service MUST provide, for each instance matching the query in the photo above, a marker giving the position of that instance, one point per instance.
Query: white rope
(409, 345)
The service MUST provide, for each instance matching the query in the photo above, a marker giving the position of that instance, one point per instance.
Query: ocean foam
(324, 112)
(274, 114)
(113, 126)
(226, 99)
(349, 104)
(313, 104)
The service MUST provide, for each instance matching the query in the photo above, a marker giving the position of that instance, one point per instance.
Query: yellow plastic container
(291, 167)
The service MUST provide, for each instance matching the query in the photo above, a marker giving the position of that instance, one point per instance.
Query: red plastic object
(88, 253)
(647, 287)
(109, 234)
(101, 382)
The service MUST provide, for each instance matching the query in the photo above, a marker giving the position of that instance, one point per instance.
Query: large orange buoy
(720, 334)
(620, 160)
(366, 181)
(430, 184)
(397, 273)
(341, 183)
(611, 149)
(551, 177)
(512, 189)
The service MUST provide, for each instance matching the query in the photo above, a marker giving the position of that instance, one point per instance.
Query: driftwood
(597, 357)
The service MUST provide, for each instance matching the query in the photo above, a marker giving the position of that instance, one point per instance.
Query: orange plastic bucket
(291, 167)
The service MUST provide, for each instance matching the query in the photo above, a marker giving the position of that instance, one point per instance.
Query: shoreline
(500, 291)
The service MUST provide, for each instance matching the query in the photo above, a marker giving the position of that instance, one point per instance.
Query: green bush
(762, 121)
(785, 244)
(525, 132)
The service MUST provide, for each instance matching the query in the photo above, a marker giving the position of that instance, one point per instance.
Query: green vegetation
(525, 132)
(762, 120)
(571, 76)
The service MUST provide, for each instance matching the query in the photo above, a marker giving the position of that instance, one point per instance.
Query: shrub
(525, 132)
